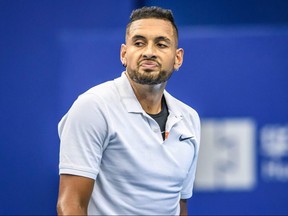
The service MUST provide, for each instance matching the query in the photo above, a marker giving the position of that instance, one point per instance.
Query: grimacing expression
(150, 53)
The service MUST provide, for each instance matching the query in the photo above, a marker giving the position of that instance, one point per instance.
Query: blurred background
(235, 74)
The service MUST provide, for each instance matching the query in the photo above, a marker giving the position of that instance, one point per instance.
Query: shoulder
(104, 90)
(88, 108)
(98, 96)
(93, 102)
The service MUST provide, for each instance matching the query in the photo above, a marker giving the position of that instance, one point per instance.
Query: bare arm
(183, 207)
(74, 195)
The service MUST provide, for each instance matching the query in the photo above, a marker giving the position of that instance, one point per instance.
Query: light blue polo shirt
(107, 136)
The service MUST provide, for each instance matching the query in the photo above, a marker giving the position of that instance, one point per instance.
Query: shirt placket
(171, 121)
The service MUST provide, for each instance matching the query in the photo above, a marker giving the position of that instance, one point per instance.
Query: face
(150, 53)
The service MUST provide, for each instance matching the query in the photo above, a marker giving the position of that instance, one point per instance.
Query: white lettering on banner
(274, 141)
(275, 170)
(227, 158)
(227, 155)
(274, 148)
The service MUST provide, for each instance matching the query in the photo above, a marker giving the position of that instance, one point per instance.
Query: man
(127, 146)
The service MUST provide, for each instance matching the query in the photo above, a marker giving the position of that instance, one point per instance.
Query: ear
(178, 58)
(123, 55)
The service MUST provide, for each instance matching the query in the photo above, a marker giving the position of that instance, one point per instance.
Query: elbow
(64, 208)
(59, 208)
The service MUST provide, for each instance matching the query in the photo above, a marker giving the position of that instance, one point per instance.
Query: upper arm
(84, 134)
(74, 194)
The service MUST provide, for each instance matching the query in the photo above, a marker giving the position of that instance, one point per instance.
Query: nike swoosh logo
(184, 138)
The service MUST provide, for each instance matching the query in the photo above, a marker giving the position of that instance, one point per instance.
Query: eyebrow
(162, 38)
(157, 39)
(138, 37)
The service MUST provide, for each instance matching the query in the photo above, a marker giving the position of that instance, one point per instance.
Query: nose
(149, 52)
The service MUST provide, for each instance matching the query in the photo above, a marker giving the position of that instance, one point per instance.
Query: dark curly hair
(153, 12)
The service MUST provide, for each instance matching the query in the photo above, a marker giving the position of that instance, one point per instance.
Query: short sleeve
(83, 134)
(187, 189)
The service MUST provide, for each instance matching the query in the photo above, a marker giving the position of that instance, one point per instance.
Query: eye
(139, 44)
(162, 45)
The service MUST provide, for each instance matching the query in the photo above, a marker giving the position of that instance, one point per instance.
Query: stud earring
(124, 62)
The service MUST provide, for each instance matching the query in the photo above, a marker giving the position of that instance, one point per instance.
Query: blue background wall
(51, 51)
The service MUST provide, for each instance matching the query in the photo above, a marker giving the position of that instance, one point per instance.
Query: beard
(148, 76)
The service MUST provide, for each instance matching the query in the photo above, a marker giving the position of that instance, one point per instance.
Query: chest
(137, 150)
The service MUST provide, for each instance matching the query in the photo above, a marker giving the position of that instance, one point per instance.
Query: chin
(148, 70)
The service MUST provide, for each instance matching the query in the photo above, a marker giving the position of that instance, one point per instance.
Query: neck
(149, 96)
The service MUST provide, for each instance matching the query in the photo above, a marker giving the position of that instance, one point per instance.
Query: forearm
(74, 195)
(183, 208)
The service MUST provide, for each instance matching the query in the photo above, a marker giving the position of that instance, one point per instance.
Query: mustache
(149, 59)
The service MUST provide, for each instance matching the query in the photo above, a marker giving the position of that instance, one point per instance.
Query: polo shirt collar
(128, 97)
(131, 103)
(172, 106)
